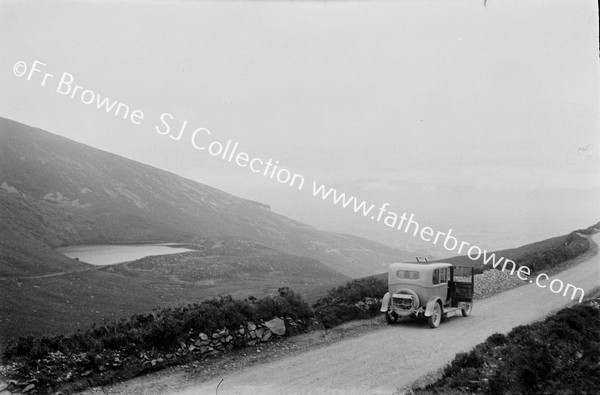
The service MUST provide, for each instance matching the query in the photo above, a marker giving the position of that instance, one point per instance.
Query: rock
(267, 336)
(216, 335)
(28, 388)
(203, 349)
(203, 336)
(251, 326)
(253, 334)
(277, 326)
(228, 339)
(86, 373)
(260, 332)
(192, 348)
(241, 331)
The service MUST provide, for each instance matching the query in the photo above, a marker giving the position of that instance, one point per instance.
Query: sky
(480, 119)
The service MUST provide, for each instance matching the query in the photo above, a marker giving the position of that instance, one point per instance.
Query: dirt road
(385, 361)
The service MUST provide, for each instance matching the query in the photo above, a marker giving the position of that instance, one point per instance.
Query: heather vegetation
(561, 251)
(357, 299)
(558, 355)
(538, 256)
(152, 341)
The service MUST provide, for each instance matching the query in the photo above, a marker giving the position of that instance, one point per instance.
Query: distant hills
(54, 192)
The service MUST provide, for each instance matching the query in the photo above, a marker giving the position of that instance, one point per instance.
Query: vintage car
(431, 290)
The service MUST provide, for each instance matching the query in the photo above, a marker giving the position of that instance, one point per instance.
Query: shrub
(357, 299)
(163, 329)
(497, 339)
(286, 304)
(559, 355)
(570, 247)
(589, 230)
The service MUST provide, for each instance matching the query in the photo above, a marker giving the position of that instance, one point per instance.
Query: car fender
(431, 303)
(385, 303)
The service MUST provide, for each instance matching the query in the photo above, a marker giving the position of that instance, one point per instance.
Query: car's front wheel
(466, 310)
(391, 318)
(436, 316)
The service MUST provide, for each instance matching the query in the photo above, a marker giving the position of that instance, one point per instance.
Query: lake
(109, 254)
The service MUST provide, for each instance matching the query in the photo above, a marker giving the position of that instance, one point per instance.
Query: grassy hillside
(60, 192)
(22, 252)
(229, 260)
(242, 268)
(172, 336)
(537, 256)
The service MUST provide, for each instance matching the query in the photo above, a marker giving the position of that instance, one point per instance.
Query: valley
(56, 192)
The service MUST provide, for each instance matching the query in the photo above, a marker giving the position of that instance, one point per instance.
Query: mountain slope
(55, 191)
(62, 304)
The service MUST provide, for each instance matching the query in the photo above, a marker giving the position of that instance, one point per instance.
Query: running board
(451, 312)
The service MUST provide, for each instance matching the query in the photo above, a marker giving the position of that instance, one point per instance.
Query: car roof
(418, 266)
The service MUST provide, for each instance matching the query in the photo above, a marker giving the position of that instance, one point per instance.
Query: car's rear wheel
(391, 318)
(436, 316)
(466, 310)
